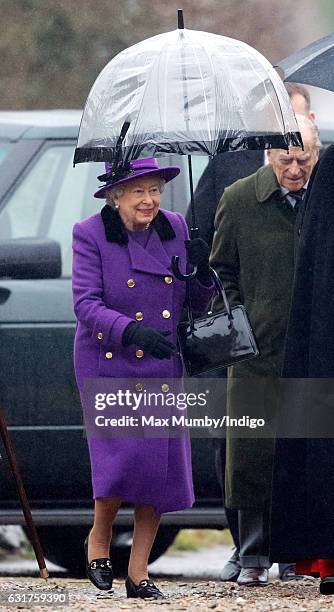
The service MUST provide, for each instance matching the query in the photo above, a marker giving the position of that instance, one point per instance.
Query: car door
(37, 325)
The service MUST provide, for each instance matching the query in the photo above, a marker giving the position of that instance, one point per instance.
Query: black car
(41, 197)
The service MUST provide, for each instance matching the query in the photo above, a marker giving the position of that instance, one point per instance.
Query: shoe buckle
(93, 565)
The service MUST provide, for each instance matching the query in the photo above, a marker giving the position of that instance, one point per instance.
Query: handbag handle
(220, 290)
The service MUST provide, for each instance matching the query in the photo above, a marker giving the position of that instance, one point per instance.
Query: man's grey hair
(298, 88)
(305, 123)
(116, 192)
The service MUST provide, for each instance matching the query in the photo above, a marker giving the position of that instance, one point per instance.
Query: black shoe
(231, 569)
(327, 586)
(288, 573)
(145, 589)
(99, 571)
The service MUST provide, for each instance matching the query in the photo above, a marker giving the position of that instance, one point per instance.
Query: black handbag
(215, 340)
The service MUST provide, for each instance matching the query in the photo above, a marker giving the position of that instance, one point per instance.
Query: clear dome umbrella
(185, 92)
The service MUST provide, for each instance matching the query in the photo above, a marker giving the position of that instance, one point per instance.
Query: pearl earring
(117, 206)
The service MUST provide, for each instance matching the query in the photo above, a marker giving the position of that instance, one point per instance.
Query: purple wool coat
(115, 281)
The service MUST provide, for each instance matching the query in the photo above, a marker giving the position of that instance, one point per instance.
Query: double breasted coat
(253, 252)
(303, 479)
(116, 281)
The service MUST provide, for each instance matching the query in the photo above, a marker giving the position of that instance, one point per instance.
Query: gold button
(168, 280)
(139, 387)
(165, 387)
(139, 316)
(108, 355)
(139, 353)
(130, 283)
(166, 314)
(100, 336)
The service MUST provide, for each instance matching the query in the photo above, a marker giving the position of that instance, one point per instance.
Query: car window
(198, 163)
(4, 148)
(3, 154)
(51, 197)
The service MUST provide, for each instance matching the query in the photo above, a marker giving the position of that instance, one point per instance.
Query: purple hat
(132, 170)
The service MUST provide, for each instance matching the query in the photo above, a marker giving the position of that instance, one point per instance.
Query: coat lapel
(266, 183)
(153, 259)
(268, 192)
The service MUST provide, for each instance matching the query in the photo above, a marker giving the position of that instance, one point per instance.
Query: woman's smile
(146, 211)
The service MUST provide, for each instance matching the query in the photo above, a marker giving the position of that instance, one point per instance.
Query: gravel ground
(181, 595)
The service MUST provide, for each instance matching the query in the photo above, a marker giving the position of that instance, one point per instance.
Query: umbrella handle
(177, 271)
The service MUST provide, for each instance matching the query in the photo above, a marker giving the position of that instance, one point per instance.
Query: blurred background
(52, 50)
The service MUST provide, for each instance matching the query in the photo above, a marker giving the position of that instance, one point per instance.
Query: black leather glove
(198, 255)
(149, 339)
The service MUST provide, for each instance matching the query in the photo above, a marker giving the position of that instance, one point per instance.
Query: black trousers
(254, 538)
(249, 528)
(220, 461)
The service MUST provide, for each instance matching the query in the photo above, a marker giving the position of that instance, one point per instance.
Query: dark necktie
(297, 196)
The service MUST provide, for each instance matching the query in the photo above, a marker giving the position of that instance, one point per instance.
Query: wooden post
(32, 533)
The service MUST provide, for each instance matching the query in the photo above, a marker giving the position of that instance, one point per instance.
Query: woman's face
(140, 202)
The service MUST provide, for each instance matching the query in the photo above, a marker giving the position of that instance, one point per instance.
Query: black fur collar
(116, 232)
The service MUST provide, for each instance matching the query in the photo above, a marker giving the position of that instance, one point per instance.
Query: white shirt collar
(284, 190)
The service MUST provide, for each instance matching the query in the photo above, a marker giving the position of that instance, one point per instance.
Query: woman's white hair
(116, 192)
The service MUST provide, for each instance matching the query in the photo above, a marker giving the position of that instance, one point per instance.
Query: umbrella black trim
(151, 149)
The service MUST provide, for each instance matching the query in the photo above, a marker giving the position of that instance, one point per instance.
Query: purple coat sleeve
(106, 325)
(201, 295)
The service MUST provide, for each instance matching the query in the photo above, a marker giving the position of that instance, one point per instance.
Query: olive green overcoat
(253, 252)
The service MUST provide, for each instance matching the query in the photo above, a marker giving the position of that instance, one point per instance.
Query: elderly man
(221, 172)
(253, 251)
(226, 168)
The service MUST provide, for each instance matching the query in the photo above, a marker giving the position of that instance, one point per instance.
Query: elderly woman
(128, 305)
